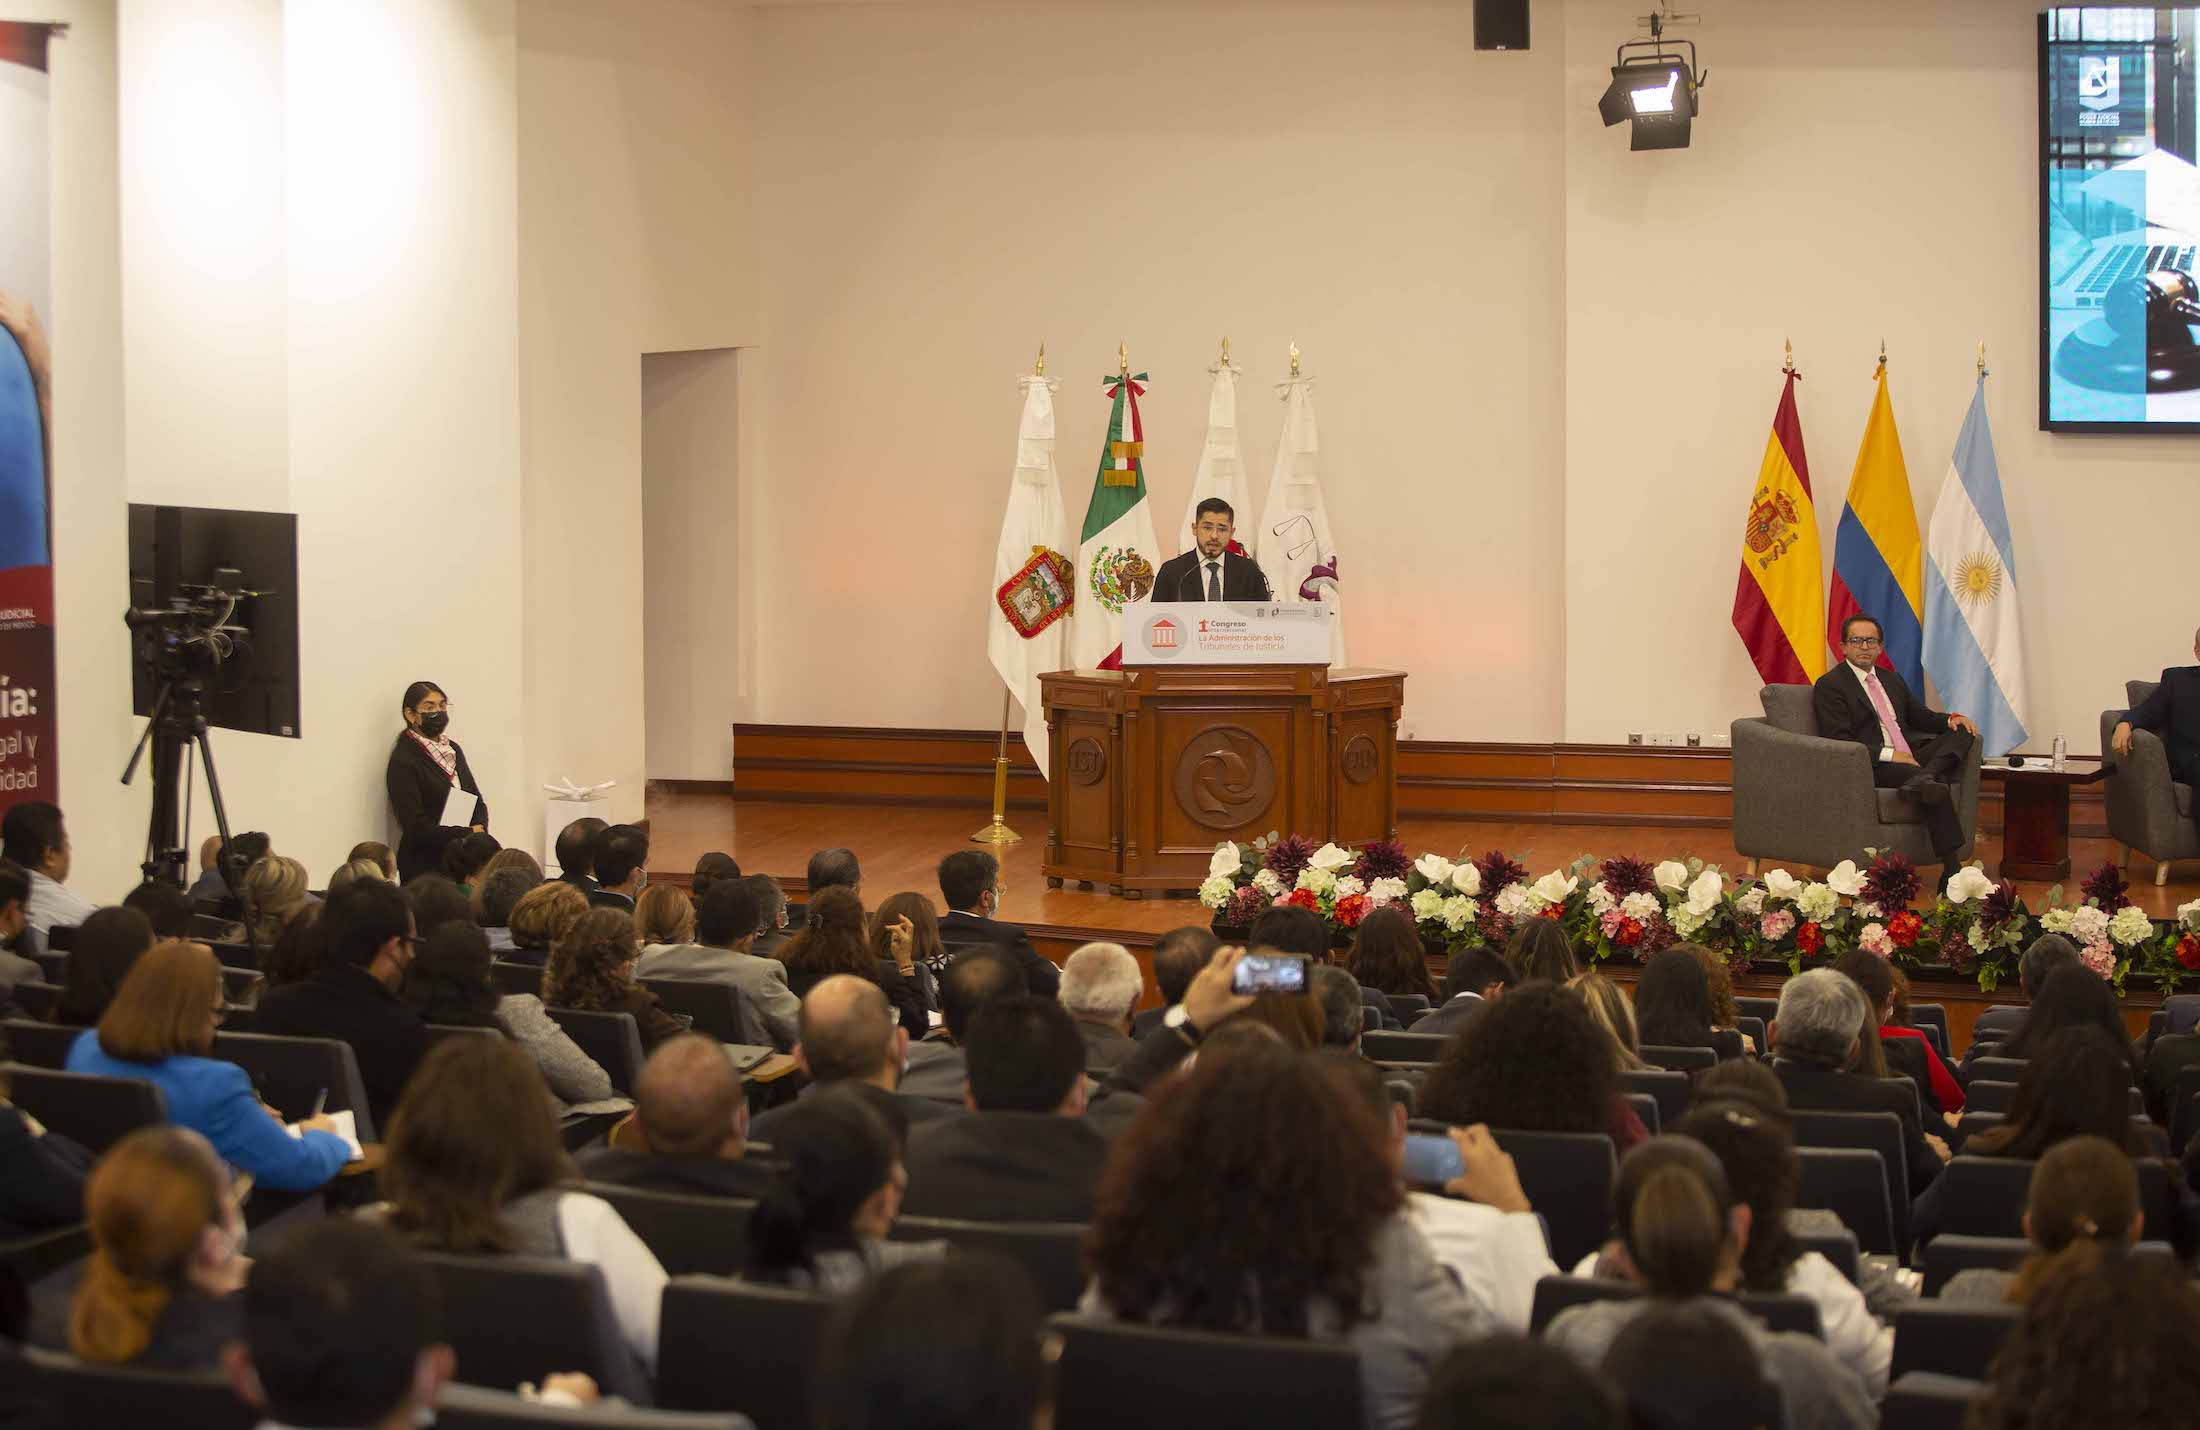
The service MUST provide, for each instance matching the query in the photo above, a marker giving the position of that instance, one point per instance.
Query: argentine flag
(1974, 645)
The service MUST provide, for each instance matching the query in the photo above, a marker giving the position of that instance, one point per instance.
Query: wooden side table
(2035, 813)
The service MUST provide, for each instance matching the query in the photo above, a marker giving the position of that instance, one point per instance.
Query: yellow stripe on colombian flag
(1779, 608)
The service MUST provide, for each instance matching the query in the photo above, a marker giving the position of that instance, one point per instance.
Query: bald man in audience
(689, 1132)
(850, 1033)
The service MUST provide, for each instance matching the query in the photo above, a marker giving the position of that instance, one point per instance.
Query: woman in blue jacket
(160, 1029)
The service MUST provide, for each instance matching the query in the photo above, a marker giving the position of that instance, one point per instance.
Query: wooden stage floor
(901, 846)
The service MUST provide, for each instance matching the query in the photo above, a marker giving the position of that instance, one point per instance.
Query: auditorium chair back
(38, 999)
(715, 1008)
(1999, 1069)
(525, 1318)
(733, 1345)
(40, 1045)
(1923, 1400)
(612, 1040)
(1681, 1060)
(1556, 1294)
(1879, 1132)
(1671, 1089)
(89, 1395)
(516, 978)
(1568, 1178)
(1112, 1374)
(1949, 1340)
(1986, 1196)
(472, 1407)
(1052, 1254)
(691, 1235)
(291, 1073)
(1402, 1047)
(95, 1111)
(1851, 1183)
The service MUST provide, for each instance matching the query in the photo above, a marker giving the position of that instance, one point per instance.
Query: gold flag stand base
(998, 831)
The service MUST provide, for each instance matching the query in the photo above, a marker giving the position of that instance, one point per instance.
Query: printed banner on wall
(27, 765)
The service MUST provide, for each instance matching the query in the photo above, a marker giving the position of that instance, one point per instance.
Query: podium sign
(1226, 633)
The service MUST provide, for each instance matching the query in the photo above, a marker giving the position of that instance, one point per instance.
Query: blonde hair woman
(664, 916)
(274, 890)
(348, 874)
(1614, 1014)
(160, 1289)
(543, 916)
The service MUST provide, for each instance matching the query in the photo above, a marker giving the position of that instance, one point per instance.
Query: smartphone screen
(1269, 973)
(1431, 1161)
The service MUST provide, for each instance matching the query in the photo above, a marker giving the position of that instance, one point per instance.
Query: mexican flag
(1117, 552)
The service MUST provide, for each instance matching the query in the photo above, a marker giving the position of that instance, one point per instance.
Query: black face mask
(434, 723)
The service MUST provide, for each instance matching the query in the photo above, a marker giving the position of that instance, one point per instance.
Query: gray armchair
(2147, 810)
(1803, 799)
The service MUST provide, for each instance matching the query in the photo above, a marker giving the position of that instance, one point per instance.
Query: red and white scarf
(443, 752)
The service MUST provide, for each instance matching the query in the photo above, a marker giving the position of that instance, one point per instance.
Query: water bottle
(2062, 748)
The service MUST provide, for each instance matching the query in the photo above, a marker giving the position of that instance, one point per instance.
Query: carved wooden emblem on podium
(1225, 777)
(1360, 759)
(1088, 762)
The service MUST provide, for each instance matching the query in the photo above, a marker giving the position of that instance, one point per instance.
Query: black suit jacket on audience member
(1452, 1016)
(601, 898)
(1906, 1057)
(347, 1004)
(1811, 1088)
(960, 932)
(915, 1110)
(1183, 577)
(417, 789)
(1004, 1166)
(749, 1176)
(2173, 711)
(1844, 709)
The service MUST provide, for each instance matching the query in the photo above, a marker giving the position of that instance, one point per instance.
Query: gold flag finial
(1123, 358)
(1982, 357)
(1882, 355)
(1294, 357)
(1225, 352)
(1789, 365)
(1039, 368)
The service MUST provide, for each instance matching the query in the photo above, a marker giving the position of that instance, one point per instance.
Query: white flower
(1216, 892)
(1386, 891)
(1227, 861)
(1874, 939)
(2189, 914)
(1554, 887)
(1433, 867)
(1687, 924)
(1640, 907)
(1268, 883)
(1321, 881)
(1347, 886)
(1816, 901)
(1866, 909)
(1703, 895)
(1600, 898)
(1751, 904)
(1670, 875)
(2088, 924)
(1969, 883)
(2131, 926)
(1330, 858)
(1467, 879)
(2058, 920)
(1845, 880)
(1512, 900)
(1780, 884)
(1458, 912)
(1427, 904)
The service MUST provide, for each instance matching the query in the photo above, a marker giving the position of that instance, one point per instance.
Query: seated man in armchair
(1914, 748)
(2172, 712)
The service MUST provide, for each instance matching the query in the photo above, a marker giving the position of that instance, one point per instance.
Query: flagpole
(998, 831)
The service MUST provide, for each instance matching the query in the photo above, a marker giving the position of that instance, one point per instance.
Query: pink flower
(1875, 938)
(2100, 958)
(1777, 925)
(1609, 922)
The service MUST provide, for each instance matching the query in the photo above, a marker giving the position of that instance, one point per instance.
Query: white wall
(691, 572)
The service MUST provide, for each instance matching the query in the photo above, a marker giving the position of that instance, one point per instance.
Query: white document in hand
(459, 808)
(347, 1127)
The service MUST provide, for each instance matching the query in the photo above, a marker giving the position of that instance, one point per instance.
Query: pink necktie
(1887, 723)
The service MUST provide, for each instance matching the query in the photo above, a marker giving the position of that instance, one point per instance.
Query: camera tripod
(176, 727)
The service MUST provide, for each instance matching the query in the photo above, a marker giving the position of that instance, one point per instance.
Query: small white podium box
(1226, 633)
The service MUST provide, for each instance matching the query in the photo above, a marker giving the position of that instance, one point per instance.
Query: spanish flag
(1777, 606)
(1878, 557)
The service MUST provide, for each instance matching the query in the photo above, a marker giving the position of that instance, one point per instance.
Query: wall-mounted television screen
(2119, 219)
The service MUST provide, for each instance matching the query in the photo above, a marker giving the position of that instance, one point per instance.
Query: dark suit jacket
(1146, 1022)
(916, 1111)
(1906, 1058)
(599, 898)
(417, 787)
(347, 1004)
(2173, 710)
(748, 1177)
(1104, 1047)
(2171, 1054)
(1183, 577)
(1004, 1166)
(1811, 1088)
(1844, 709)
(960, 932)
(1452, 1016)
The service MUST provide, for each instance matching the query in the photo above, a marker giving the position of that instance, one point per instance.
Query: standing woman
(425, 766)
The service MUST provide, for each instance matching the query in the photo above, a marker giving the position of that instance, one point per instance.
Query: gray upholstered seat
(1804, 799)
(2147, 810)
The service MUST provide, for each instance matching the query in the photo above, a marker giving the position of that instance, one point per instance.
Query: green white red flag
(1117, 552)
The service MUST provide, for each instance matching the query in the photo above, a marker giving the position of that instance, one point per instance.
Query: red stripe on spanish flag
(1779, 598)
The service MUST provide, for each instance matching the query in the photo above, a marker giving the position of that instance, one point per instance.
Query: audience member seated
(2045, 954)
(17, 941)
(1821, 1013)
(475, 1165)
(1100, 985)
(1719, 979)
(34, 839)
(437, 901)
(1178, 955)
(823, 1225)
(346, 875)
(936, 1066)
(724, 935)
(1026, 1152)
(771, 918)
(378, 852)
(165, 907)
(2083, 1205)
(927, 958)
(1322, 1251)
(711, 868)
(955, 1344)
(209, 885)
(833, 869)
(2072, 997)
(41, 1173)
(1520, 1385)
(1540, 951)
(1757, 1154)
(2108, 1343)
(1682, 1235)
(160, 1290)
(621, 852)
(544, 915)
(1474, 980)
(1907, 1050)
(160, 1027)
(2170, 1055)
(465, 857)
(1481, 1224)
(1690, 1367)
(274, 890)
(1344, 1016)
(1209, 1011)
(848, 1034)
(663, 916)
(1614, 1012)
(108, 945)
(494, 901)
(508, 859)
(367, 943)
(690, 1128)
(449, 986)
(1673, 1007)
(592, 970)
(833, 941)
(576, 853)
(1534, 1061)
(296, 956)
(970, 883)
(1386, 956)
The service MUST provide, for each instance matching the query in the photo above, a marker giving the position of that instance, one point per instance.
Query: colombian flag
(1878, 558)
(1777, 607)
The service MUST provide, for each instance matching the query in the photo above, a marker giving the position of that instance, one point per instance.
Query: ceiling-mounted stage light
(1654, 88)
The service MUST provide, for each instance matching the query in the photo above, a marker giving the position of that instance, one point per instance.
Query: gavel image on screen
(2168, 304)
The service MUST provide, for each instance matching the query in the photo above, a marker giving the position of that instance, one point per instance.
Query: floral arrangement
(1980, 925)
(1786, 918)
(2106, 926)
(2176, 955)
(1339, 885)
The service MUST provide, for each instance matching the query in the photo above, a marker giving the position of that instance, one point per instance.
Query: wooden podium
(1152, 766)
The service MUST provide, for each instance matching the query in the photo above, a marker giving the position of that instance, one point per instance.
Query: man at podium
(1211, 571)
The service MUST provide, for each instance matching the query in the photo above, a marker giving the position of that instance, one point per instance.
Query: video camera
(197, 636)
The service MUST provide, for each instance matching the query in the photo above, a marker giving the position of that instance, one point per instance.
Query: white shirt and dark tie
(1214, 578)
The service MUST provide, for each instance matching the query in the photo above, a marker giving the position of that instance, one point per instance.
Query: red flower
(2188, 951)
(1553, 911)
(1630, 933)
(1809, 938)
(1351, 909)
(1904, 928)
(1302, 899)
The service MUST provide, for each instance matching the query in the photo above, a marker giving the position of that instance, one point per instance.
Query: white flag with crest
(1221, 471)
(1294, 546)
(1027, 632)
